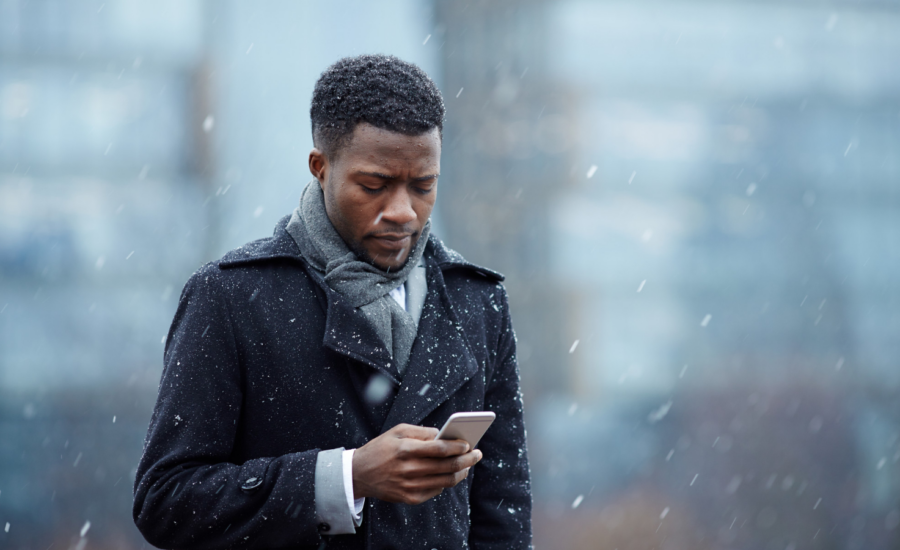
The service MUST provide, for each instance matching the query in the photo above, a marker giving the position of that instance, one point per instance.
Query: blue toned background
(697, 205)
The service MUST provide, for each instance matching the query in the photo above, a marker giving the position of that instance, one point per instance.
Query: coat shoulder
(247, 252)
(279, 245)
(451, 260)
(265, 257)
(470, 284)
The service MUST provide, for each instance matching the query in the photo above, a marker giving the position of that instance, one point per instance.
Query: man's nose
(399, 208)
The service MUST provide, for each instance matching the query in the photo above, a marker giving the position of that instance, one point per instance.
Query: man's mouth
(393, 241)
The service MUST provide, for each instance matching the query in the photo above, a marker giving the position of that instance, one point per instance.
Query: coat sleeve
(188, 492)
(500, 500)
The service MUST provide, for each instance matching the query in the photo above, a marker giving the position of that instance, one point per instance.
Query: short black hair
(384, 91)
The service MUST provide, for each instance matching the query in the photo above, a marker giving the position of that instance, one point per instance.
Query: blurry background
(696, 203)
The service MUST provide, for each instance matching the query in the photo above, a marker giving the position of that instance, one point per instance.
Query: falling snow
(659, 413)
(742, 207)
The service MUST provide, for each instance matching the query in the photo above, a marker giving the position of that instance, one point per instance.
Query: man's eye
(424, 191)
(372, 191)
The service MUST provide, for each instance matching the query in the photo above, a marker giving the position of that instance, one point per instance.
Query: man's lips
(392, 241)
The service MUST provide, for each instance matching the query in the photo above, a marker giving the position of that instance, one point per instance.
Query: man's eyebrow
(388, 177)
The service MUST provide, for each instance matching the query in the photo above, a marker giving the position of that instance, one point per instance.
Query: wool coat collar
(441, 360)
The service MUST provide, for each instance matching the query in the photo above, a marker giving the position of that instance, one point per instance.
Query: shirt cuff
(331, 496)
(355, 505)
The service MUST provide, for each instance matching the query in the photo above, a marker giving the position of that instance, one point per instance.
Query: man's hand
(406, 464)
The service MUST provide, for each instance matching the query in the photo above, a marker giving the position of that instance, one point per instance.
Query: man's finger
(421, 496)
(454, 464)
(438, 448)
(425, 467)
(414, 432)
(437, 482)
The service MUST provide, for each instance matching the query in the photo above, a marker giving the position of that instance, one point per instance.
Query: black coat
(265, 366)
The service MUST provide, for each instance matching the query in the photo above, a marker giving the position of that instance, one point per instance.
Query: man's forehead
(367, 136)
(381, 151)
(393, 174)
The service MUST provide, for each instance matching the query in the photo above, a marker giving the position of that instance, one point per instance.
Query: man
(306, 374)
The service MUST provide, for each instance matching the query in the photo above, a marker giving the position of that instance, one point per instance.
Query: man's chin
(388, 266)
(383, 262)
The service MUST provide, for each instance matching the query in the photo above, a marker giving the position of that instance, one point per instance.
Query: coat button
(324, 527)
(251, 484)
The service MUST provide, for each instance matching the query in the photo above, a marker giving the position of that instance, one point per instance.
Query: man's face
(379, 191)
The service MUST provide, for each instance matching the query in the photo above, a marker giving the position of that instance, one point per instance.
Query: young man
(306, 374)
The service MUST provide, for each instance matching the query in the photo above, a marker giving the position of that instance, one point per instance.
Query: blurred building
(700, 255)
(695, 203)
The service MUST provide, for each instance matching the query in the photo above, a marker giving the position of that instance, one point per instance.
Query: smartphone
(468, 426)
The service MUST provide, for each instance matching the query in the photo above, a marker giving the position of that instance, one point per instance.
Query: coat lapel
(347, 333)
(440, 362)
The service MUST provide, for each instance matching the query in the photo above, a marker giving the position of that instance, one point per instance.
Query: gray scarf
(365, 286)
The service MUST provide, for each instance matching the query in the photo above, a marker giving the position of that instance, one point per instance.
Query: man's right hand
(406, 464)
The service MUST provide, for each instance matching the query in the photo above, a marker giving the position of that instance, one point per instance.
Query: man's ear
(318, 166)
